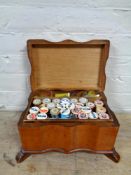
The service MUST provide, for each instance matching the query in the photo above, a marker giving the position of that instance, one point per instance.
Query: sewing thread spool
(91, 105)
(83, 115)
(43, 110)
(54, 113)
(100, 109)
(56, 100)
(46, 100)
(34, 110)
(74, 100)
(31, 117)
(65, 100)
(51, 105)
(86, 109)
(36, 101)
(65, 114)
(99, 103)
(103, 116)
(83, 100)
(93, 115)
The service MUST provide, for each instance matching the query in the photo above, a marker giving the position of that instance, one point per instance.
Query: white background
(55, 20)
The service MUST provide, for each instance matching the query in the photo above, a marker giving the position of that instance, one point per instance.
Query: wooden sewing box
(67, 66)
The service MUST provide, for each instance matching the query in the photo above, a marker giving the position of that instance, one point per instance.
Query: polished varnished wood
(67, 65)
(68, 136)
(114, 156)
(21, 156)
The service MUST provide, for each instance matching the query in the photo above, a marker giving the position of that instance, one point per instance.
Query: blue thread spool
(93, 115)
(65, 114)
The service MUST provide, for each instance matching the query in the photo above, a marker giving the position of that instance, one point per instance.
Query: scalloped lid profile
(68, 64)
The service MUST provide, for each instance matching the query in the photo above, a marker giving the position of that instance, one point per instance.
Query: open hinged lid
(68, 64)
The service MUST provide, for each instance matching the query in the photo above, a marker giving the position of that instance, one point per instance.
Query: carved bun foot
(21, 156)
(114, 156)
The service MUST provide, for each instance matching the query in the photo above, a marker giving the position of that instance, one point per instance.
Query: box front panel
(47, 136)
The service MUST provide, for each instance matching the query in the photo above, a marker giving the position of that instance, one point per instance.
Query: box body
(68, 66)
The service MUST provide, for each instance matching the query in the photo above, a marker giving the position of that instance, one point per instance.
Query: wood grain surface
(68, 65)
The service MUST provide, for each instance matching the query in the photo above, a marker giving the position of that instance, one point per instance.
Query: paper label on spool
(42, 116)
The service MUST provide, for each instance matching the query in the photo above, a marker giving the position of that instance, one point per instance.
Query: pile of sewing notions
(67, 108)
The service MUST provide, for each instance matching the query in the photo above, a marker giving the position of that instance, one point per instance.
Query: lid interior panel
(67, 66)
